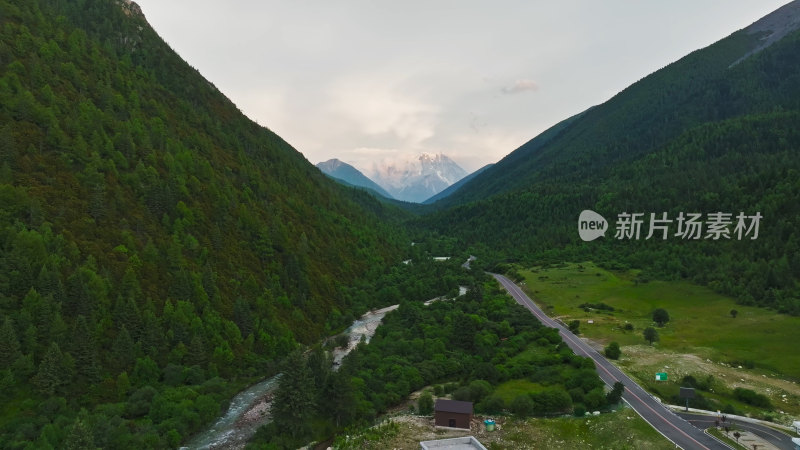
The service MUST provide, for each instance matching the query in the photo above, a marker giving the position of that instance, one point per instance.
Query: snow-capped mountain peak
(417, 179)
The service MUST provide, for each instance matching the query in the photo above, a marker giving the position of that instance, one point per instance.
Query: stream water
(364, 327)
(228, 431)
(249, 409)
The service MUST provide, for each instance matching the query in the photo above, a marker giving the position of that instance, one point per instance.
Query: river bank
(250, 409)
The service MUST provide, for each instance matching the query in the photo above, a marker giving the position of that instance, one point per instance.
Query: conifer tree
(80, 435)
(196, 353)
(9, 344)
(52, 372)
(85, 351)
(293, 406)
(123, 352)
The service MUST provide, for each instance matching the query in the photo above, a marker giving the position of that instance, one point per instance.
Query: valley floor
(641, 361)
(701, 339)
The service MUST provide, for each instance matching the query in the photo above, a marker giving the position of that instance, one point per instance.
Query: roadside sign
(661, 376)
(687, 393)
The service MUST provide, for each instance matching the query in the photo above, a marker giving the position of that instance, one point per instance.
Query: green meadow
(512, 388)
(700, 319)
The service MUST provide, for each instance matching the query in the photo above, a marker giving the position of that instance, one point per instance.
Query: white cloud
(378, 108)
(521, 86)
(336, 79)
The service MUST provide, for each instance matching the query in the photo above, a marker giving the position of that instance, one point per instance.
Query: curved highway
(674, 428)
(780, 440)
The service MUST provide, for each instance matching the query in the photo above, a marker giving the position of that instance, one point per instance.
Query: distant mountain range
(423, 179)
(418, 179)
(349, 175)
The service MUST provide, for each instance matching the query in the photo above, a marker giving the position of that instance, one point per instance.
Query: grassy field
(700, 323)
(510, 389)
(623, 429)
(754, 350)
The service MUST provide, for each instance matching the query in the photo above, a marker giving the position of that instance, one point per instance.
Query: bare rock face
(773, 27)
(131, 8)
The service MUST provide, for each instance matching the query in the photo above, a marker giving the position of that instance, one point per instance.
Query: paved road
(677, 430)
(780, 440)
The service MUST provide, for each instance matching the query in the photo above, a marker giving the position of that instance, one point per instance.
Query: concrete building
(461, 443)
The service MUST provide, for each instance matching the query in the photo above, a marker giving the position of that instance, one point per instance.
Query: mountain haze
(704, 134)
(418, 179)
(351, 176)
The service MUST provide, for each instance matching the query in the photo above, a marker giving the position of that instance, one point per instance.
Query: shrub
(552, 400)
(478, 389)
(462, 394)
(613, 351)
(689, 381)
(492, 404)
(595, 399)
(729, 409)
(615, 395)
(522, 405)
(425, 404)
(660, 316)
(650, 335)
(752, 398)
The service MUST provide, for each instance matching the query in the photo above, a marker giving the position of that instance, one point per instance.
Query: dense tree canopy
(157, 248)
(421, 345)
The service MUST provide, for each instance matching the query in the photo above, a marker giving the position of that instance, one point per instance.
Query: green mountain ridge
(716, 136)
(455, 186)
(157, 247)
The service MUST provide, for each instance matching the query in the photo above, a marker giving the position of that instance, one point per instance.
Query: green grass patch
(700, 319)
(512, 388)
(530, 354)
(623, 429)
(715, 401)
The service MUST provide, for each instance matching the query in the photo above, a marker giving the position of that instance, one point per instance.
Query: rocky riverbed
(250, 409)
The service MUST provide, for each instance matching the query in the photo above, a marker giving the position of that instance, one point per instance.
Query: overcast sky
(370, 80)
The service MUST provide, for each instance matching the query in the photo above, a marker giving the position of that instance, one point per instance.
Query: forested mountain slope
(152, 238)
(713, 132)
(455, 186)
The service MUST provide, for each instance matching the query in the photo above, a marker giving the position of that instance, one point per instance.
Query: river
(249, 409)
